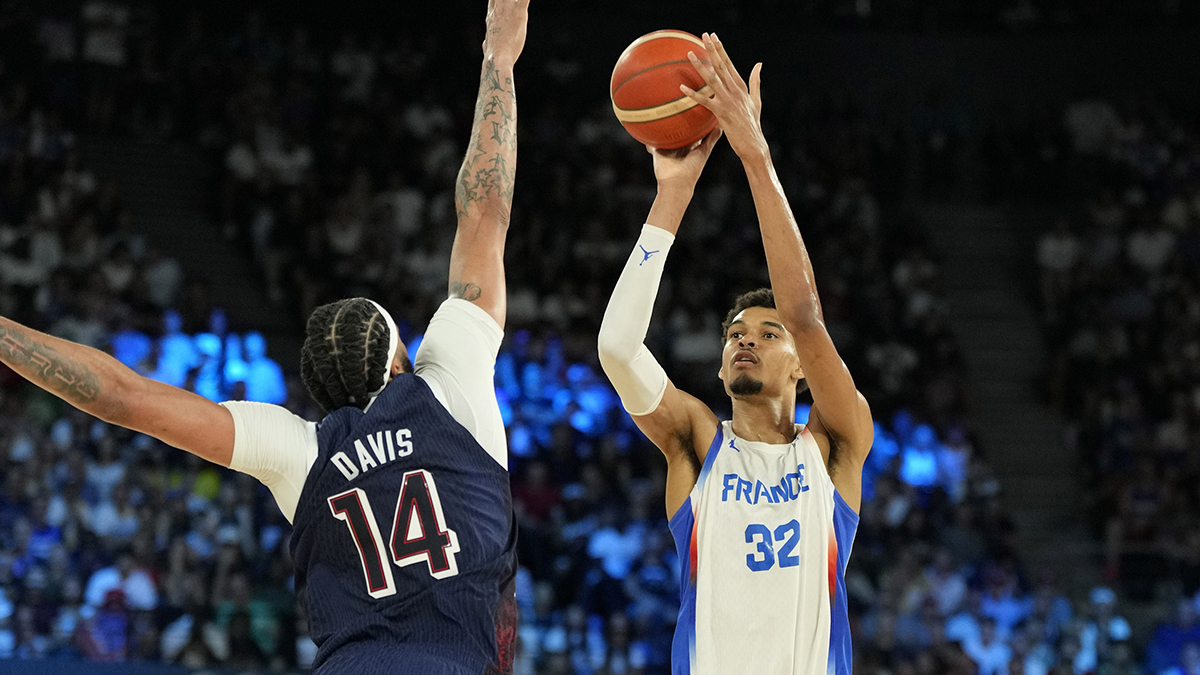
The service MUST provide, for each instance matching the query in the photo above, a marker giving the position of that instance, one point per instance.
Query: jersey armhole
(840, 507)
(845, 526)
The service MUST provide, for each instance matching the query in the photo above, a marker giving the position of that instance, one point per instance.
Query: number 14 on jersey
(419, 532)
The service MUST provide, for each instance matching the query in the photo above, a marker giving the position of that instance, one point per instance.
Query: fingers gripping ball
(645, 90)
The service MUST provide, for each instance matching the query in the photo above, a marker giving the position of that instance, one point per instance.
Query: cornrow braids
(344, 360)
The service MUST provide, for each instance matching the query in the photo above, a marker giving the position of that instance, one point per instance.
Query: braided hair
(345, 358)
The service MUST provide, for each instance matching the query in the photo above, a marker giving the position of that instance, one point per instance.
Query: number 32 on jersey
(787, 534)
(419, 533)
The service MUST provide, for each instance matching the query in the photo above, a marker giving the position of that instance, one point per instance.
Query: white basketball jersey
(764, 539)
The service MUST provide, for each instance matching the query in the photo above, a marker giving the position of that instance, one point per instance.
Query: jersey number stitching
(767, 546)
(419, 533)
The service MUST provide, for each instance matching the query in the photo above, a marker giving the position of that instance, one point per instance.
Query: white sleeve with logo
(276, 447)
(457, 360)
(635, 374)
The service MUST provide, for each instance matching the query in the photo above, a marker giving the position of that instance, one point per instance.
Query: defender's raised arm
(99, 385)
(841, 418)
(483, 194)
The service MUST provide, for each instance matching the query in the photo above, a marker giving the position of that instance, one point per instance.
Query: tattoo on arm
(466, 291)
(488, 171)
(48, 368)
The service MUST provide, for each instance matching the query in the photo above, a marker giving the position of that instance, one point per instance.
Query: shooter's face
(759, 357)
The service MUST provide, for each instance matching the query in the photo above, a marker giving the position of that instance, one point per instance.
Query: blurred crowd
(337, 158)
(1120, 298)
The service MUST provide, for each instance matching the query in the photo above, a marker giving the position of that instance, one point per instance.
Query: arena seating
(1118, 289)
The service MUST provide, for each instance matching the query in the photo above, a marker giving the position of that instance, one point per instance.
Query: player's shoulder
(705, 423)
(468, 314)
(337, 423)
(266, 414)
(461, 338)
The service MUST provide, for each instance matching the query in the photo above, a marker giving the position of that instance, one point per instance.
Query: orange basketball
(645, 90)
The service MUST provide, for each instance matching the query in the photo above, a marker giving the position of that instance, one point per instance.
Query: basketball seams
(647, 101)
(646, 70)
(658, 112)
(660, 34)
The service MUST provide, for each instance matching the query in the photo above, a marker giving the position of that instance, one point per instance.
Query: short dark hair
(344, 358)
(762, 297)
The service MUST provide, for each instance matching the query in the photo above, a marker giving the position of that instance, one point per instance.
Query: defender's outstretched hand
(682, 168)
(506, 24)
(484, 190)
(738, 107)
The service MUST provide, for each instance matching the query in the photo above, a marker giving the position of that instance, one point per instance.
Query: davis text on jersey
(385, 446)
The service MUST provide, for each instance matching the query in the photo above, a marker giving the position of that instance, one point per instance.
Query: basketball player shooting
(763, 510)
(404, 538)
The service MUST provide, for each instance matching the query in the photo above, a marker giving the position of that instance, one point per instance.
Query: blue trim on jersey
(711, 457)
(682, 525)
(845, 525)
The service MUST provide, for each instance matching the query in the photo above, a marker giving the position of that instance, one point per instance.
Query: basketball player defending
(403, 541)
(763, 510)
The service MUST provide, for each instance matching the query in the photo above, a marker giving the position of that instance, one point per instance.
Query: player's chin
(744, 385)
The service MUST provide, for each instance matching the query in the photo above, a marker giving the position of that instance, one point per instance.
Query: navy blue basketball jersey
(404, 542)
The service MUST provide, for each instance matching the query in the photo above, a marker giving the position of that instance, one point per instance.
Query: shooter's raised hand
(738, 107)
(682, 168)
(506, 22)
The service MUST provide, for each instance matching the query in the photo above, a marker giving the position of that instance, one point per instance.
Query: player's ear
(797, 369)
(400, 364)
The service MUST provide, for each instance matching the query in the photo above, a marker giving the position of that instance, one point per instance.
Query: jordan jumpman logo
(646, 255)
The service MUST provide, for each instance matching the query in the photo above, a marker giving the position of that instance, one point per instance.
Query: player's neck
(765, 420)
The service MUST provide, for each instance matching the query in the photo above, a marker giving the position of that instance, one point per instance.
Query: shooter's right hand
(681, 169)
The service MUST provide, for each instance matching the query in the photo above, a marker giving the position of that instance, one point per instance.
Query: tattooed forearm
(466, 291)
(48, 368)
(488, 170)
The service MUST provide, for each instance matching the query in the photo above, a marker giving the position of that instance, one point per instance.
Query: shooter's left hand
(738, 107)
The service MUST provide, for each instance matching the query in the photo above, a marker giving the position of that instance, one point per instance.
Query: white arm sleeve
(635, 374)
(457, 360)
(276, 447)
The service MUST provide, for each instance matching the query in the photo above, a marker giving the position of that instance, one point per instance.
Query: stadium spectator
(1166, 647)
(1119, 324)
(1189, 661)
(990, 654)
